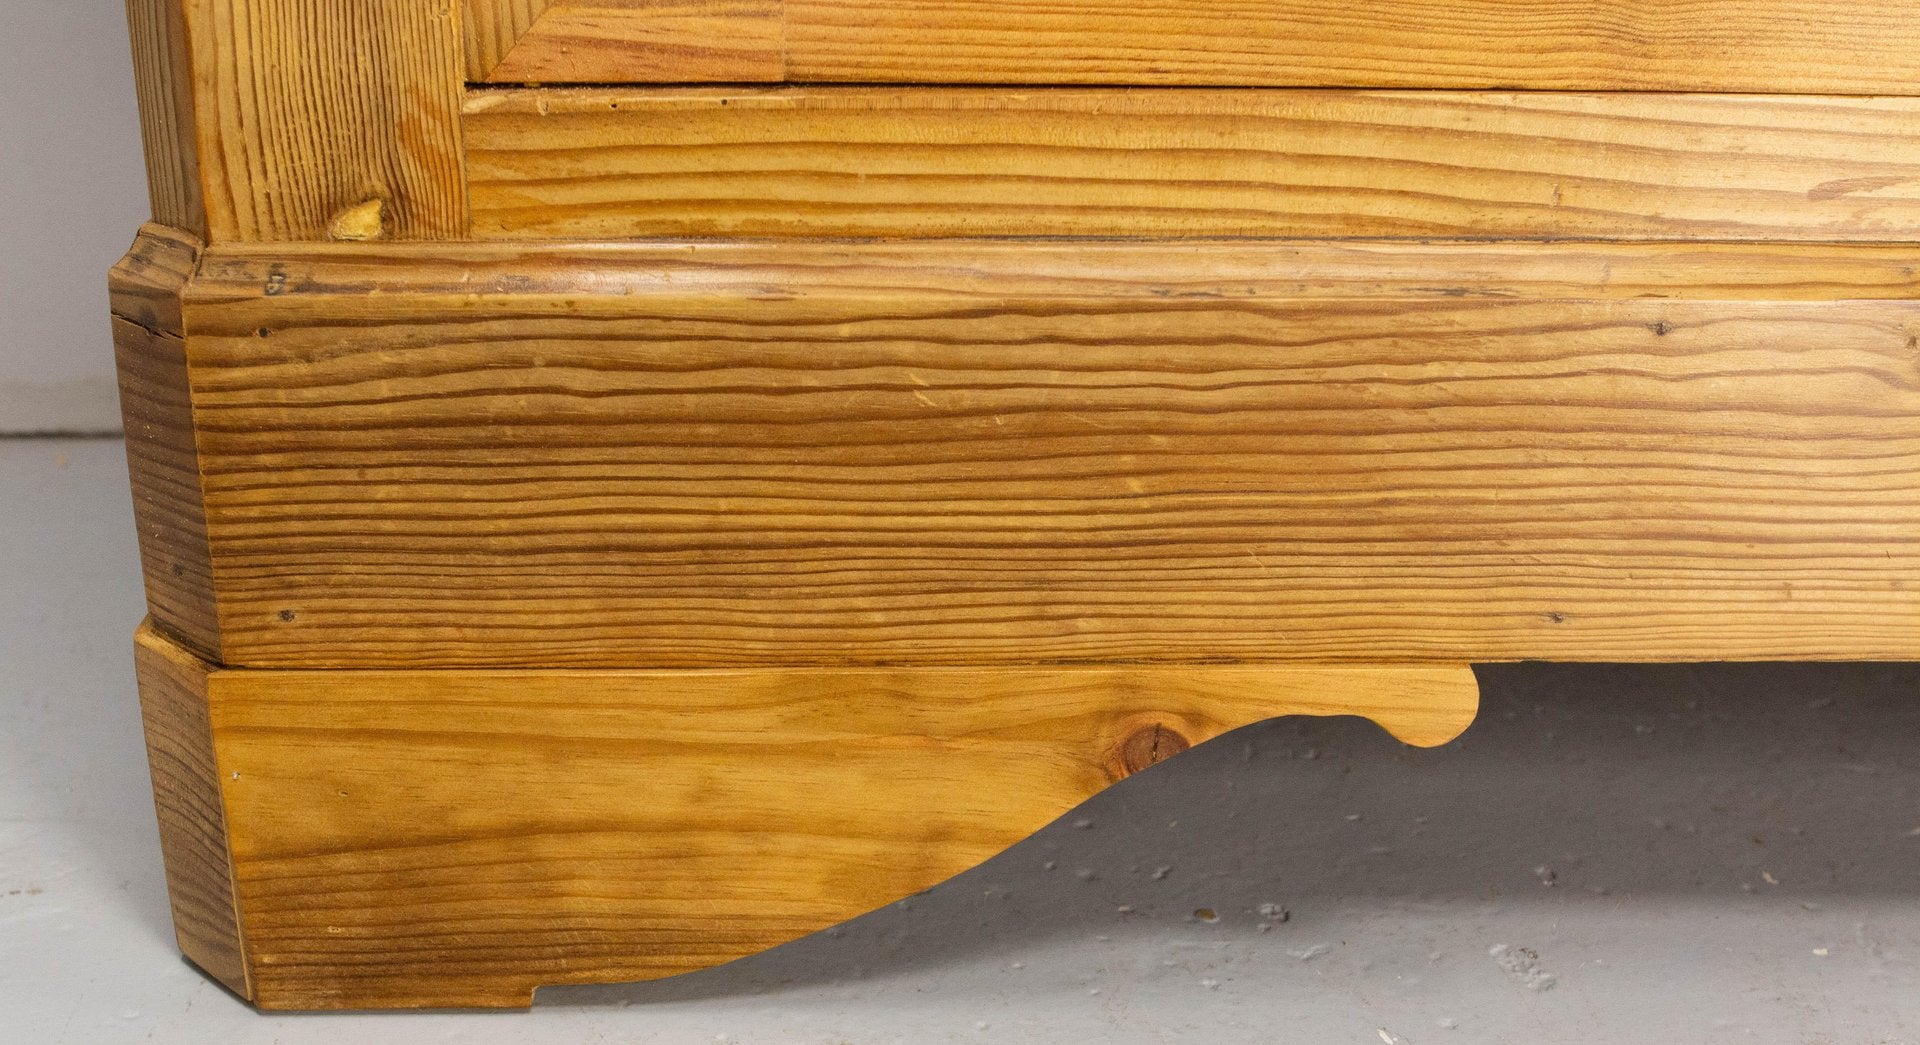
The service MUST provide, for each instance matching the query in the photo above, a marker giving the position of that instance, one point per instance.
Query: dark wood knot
(1148, 747)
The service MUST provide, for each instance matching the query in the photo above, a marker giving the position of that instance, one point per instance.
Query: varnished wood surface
(163, 75)
(651, 41)
(491, 28)
(187, 800)
(606, 278)
(902, 549)
(163, 463)
(289, 112)
(905, 162)
(459, 837)
(1784, 46)
(144, 286)
(1001, 453)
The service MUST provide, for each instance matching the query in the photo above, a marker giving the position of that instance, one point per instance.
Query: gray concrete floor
(1612, 854)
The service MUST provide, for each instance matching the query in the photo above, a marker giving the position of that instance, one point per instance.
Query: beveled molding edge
(459, 838)
(163, 461)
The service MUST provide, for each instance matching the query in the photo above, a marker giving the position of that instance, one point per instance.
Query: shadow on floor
(1579, 785)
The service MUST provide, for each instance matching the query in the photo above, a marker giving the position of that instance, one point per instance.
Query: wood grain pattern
(163, 75)
(145, 285)
(889, 162)
(491, 28)
(458, 838)
(305, 110)
(649, 41)
(163, 461)
(995, 453)
(193, 823)
(1783, 46)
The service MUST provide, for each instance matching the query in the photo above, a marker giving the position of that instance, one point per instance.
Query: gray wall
(72, 191)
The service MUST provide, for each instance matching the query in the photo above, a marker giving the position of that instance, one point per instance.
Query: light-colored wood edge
(163, 461)
(162, 71)
(607, 277)
(639, 824)
(190, 808)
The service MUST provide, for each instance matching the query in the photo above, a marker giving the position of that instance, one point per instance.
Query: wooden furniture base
(557, 614)
(361, 839)
(626, 483)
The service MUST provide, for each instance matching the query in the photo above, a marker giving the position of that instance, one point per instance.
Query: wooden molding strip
(906, 162)
(163, 75)
(461, 837)
(1752, 46)
(163, 458)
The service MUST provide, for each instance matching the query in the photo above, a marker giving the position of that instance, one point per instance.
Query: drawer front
(1787, 46)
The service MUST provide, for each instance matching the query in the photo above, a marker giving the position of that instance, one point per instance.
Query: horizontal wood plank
(974, 453)
(886, 162)
(1776, 46)
(442, 838)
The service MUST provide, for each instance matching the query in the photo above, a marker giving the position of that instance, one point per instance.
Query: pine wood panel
(163, 462)
(193, 823)
(652, 41)
(1784, 46)
(451, 837)
(887, 162)
(972, 453)
(163, 77)
(304, 110)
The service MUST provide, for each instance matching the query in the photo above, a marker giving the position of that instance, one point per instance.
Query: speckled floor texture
(1673, 855)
